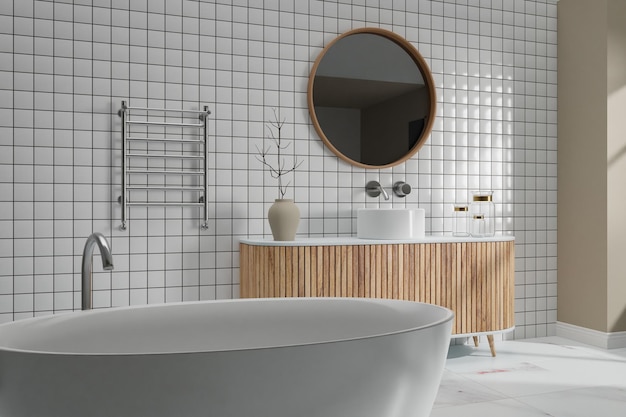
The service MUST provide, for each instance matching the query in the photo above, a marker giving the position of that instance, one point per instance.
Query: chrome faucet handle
(374, 189)
(401, 188)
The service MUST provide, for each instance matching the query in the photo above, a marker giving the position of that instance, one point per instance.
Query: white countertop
(352, 240)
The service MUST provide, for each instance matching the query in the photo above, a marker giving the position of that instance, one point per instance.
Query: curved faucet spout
(86, 276)
(382, 190)
(374, 189)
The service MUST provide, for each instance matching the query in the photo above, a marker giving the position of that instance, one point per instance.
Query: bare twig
(274, 129)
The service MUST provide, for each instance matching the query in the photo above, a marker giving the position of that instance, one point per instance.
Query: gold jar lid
(479, 216)
(461, 208)
(482, 198)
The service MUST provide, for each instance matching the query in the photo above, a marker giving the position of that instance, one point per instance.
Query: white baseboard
(591, 337)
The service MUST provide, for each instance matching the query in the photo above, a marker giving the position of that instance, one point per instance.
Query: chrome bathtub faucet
(86, 276)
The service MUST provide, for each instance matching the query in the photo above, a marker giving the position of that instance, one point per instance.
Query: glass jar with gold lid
(482, 204)
(460, 223)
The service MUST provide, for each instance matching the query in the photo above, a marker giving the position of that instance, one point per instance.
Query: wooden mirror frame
(426, 75)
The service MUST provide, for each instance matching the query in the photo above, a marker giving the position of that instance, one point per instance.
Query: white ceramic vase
(284, 217)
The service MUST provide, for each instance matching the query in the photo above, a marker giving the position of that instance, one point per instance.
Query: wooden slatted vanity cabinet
(474, 277)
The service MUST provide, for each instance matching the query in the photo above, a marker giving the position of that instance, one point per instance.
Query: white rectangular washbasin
(389, 224)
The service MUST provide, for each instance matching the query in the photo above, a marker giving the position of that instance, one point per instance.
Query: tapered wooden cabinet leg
(476, 341)
(492, 346)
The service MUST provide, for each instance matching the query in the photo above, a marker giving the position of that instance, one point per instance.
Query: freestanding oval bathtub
(305, 357)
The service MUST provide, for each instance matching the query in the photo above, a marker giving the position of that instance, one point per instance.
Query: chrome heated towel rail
(164, 158)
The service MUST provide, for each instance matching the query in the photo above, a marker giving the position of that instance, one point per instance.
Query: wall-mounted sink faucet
(401, 188)
(374, 189)
(107, 264)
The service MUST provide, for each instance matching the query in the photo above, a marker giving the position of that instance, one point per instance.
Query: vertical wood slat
(367, 267)
(311, 278)
(462, 290)
(406, 271)
(272, 279)
(510, 271)
(413, 260)
(267, 273)
(425, 274)
(245, 273)
(471, 312)
(301, 267)
(320, 271)
(474, 279)
(450, 267)
(282, 268)
(488, 316)
(436, 286)
(456, 289)
(342, 285)
(359, 272)
(480, 311)
(256, 280)
(379, 271)
(443, 263)
(333, 272)
(502, 287)
(388, 289)
(326, 271)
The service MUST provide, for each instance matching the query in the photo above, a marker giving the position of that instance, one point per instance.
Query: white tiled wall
(65, 66)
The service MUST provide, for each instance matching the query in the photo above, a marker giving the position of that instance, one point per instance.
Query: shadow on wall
(613, 159)
(620, 323)
(617, 96)
(616, 40)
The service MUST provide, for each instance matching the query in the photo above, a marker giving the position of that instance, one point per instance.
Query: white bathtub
(301, 357)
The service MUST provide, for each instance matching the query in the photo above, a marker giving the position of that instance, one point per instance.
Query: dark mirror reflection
(369, 100)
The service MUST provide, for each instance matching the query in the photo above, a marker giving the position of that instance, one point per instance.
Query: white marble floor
(530, 378)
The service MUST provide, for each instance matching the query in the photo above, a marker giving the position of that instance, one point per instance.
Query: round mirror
(372, 98)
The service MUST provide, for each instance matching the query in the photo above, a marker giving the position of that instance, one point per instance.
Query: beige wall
(616, 170)
(591, 167)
